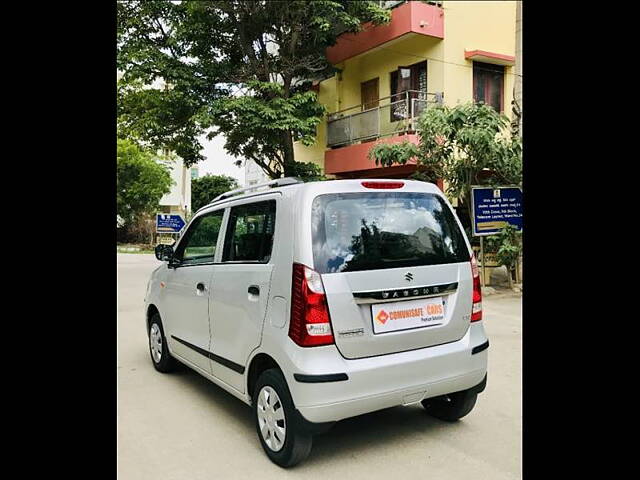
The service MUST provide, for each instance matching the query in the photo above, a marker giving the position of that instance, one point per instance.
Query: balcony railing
(386, 116)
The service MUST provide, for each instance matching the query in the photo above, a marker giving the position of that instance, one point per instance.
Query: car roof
(325, 186)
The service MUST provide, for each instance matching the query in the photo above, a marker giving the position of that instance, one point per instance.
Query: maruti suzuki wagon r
(315, 302)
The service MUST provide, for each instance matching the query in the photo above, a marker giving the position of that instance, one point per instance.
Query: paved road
(182, 427)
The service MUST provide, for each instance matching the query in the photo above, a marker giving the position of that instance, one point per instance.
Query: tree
(465, 145)
(307, 172)
(141, 182)
(507, 245)
(238, 68)
(208, 187)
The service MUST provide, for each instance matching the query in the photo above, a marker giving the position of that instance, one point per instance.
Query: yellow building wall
(327, 96)
(342, 91)
(469, 25)
(382, 61)
(476, 25)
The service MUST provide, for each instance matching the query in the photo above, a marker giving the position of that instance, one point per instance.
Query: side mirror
(164, 252)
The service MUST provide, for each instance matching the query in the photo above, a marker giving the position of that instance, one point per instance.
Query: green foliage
(460, 142)
(308, 172)
(160, 118)
(506, 246)
(240, 68)
(492, 243)
(204, 189)
(457, 144)
(254, 124)
(387, 154)
(509, 246)
(141, 182)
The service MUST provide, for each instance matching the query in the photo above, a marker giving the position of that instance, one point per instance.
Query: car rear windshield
(370, 231)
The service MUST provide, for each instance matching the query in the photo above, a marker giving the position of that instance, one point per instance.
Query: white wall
(180, 194)
(253, 174)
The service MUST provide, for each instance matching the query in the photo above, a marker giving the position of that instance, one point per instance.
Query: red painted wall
(404, 19)
(354, 157)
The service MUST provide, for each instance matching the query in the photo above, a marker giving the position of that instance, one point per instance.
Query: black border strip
(479, 348)
(216, 358)
(331, 377)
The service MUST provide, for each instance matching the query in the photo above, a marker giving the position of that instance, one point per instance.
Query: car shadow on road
(347, 439)
(378, 431)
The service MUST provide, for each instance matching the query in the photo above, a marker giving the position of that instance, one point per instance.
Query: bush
(140, 230)
(507, 246)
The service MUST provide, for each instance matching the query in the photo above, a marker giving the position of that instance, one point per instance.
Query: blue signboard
(493, 208)
(166, 223)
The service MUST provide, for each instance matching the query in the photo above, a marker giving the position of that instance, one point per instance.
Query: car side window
(249, 236)
(199, 245)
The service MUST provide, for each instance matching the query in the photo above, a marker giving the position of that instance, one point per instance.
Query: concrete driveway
(181, 426)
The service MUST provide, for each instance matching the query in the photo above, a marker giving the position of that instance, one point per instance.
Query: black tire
(166, 363)
(451, 407)
(297, 443)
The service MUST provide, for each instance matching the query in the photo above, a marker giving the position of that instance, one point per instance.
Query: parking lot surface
(180, 426)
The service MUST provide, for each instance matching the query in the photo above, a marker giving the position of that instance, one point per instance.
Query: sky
(217, 161)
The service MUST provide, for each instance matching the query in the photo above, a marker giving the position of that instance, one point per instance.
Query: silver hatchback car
(315, 302)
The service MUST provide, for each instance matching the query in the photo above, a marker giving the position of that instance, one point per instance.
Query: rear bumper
(388, 380)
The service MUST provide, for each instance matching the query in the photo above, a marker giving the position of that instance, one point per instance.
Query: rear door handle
(254, 290)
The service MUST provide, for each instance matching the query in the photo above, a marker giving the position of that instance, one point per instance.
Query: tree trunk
(289, 160)
(287, 139)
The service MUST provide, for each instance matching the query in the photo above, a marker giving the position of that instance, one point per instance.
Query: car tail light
(476, 309)
(383, 185)
(310, 324)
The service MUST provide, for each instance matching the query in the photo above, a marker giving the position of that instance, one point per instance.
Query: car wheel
(160, 356)
(451, 407)
(280, 434)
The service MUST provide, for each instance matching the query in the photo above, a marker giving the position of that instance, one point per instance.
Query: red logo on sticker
(382, 317)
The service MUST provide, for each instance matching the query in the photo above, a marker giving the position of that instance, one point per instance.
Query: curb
(491, 291)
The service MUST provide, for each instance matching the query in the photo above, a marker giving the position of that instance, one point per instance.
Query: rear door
(396, 270)
(241, 287)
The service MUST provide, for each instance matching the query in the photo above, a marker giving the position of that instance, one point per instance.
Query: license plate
(394, 316)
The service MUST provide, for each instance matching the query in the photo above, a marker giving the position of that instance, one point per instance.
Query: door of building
(369, 94)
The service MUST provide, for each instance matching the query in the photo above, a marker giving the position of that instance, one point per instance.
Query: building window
(413, 79)
(488, 84)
